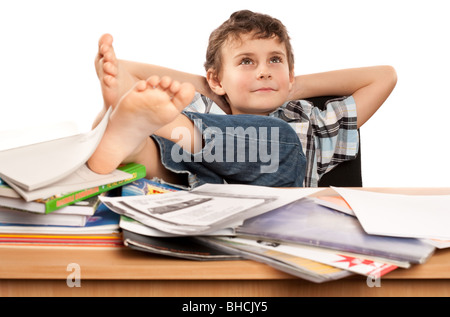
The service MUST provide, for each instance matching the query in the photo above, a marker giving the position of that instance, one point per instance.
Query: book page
(15, 138)
(411, 216)
(38, 165)
(82, 178)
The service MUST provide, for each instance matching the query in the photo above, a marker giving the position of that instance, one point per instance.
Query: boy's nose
(264, 74)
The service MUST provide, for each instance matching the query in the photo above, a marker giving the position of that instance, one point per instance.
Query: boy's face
(255, 75)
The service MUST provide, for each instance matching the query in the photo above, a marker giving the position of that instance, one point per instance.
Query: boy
(249, 74)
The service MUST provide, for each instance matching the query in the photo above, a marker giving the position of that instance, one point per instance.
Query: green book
(56, 202)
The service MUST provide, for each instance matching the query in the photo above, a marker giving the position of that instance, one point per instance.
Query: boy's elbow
(390, 76)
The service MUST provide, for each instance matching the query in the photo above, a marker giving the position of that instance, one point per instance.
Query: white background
(47, 75)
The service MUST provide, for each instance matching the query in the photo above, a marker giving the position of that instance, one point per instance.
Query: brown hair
(245, 22)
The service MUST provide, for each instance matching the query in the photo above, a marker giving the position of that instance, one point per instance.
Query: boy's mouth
(264, 89)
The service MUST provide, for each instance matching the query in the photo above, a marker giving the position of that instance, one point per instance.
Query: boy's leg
(258, 150)
(147, 107)
(245, 149)
(115, 81)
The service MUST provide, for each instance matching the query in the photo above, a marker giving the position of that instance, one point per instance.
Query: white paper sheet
(38, 165)
(413, 216)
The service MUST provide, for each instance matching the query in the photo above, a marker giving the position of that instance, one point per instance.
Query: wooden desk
(42, 271)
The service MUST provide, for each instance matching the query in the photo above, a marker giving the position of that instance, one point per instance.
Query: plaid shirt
(328, 137)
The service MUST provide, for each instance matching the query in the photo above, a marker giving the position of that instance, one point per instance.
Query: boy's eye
(275, 59)
(246, 61)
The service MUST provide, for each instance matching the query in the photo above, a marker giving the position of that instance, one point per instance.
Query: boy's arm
(142, 71)
(369, 86)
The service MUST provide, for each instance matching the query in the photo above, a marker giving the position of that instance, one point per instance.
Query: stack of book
(48, 195)
(74, 218)
(314, 237)
(100, 229)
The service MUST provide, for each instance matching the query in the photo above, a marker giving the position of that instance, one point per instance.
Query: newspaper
(205, 209)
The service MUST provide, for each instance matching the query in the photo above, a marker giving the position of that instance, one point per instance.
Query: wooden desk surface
(120, 271)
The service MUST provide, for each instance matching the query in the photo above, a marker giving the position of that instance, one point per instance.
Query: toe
(174, 87)
(109, 81)
(165, 82)
(110, 69)
(141, 85)
(153, 81)
(184, 95)
(105, 39)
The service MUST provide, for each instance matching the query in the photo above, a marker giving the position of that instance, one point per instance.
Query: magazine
(351, 262)
(205, 209)
(180, 247)
(297, 266)
(309, 223)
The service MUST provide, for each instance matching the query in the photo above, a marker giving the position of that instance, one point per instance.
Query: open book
(38, 165)
(44, 169)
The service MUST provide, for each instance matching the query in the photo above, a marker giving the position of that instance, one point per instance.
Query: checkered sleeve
(203, 104)
(335, 134)
(328, 136)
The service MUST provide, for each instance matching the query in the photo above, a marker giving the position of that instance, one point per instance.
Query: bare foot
(114, 81)
(148, 106)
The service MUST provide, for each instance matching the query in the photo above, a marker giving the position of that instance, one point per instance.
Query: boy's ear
(214, 82)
